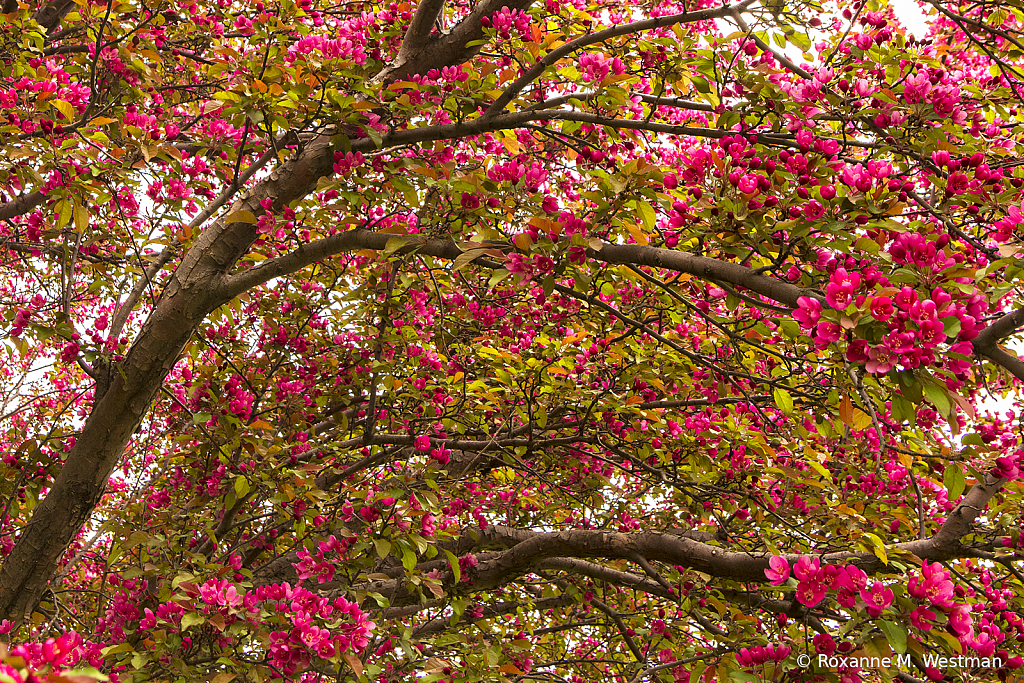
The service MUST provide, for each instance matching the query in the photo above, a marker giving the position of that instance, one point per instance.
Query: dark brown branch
(453, 48)
(21, 205)
(418, 33)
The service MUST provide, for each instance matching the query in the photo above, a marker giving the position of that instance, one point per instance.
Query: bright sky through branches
(912, 16)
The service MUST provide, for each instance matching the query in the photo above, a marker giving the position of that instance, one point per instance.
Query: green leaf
(63, 210)
(192, 619)
(116, 649)
(241, 487)
(784, 400)
(66, 109)
(382, 546)
(896, 634)
(902, 409)
(939, 398)
(648, 215)
(743, 677)
(497, 276)
(465, 258)
(953, 480)
(394, 244)
(877, 546)
(81, 217)
(453, 562)
(408, 559)
(241, 216)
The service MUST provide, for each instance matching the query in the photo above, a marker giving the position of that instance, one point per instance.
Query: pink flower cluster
(290, 649)
(505, 21)
(533, 176)
(815, 582)
(1006, 227)
(913, 328)
(596, 67)
(318, 565)
(345, 162)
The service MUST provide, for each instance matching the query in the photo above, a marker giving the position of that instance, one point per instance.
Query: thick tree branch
(418, 33)
(21, 205)
(987, 342)
(453, 48)
(50, 14)
(442, 624)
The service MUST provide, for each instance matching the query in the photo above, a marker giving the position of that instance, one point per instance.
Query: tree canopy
(510, 341)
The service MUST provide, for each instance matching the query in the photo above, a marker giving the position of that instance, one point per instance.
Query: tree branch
(552, 57)
(453, 48)
(21, 205)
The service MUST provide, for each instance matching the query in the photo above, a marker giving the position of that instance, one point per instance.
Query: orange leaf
(353, 662)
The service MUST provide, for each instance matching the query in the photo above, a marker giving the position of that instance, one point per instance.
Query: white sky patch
(912, 16)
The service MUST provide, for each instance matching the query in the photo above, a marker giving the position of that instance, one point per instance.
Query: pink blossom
(881, 308)
(922, 618)
(813, 210)
(827, 333)
(807, 567)
(957, 183)
(857, 351)
(748, 183)
(778, 570)
(808, 313)
(810, 592)
(961, 622)
(840, 290)
(877, 598)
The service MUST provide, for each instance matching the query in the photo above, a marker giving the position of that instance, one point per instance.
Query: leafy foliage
(561, 341)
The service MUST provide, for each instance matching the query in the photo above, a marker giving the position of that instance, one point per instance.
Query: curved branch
(418, 33)
(449, 49)
(987, 342)
(552, 57)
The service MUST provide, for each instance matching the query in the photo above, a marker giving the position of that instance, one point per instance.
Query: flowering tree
(510, 341)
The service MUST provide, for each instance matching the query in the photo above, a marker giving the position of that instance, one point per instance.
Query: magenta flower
(857, 352)
(423, 443)
(880, 360)
(813, 210)
(810, 593)
(934, 585)
(1006, 467)
(809, 312)
(957, 183)
(922, 618)
(877, 598)
(852, 578)
(824, 644)
(932, 332)
(748, 183)
(961, 622)
(881, 308)
(984, 644)
(839, 292)
(827, 333)
(807, 567)
(778, 570)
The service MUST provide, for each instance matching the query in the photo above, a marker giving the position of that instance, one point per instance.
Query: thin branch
(552, 57)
